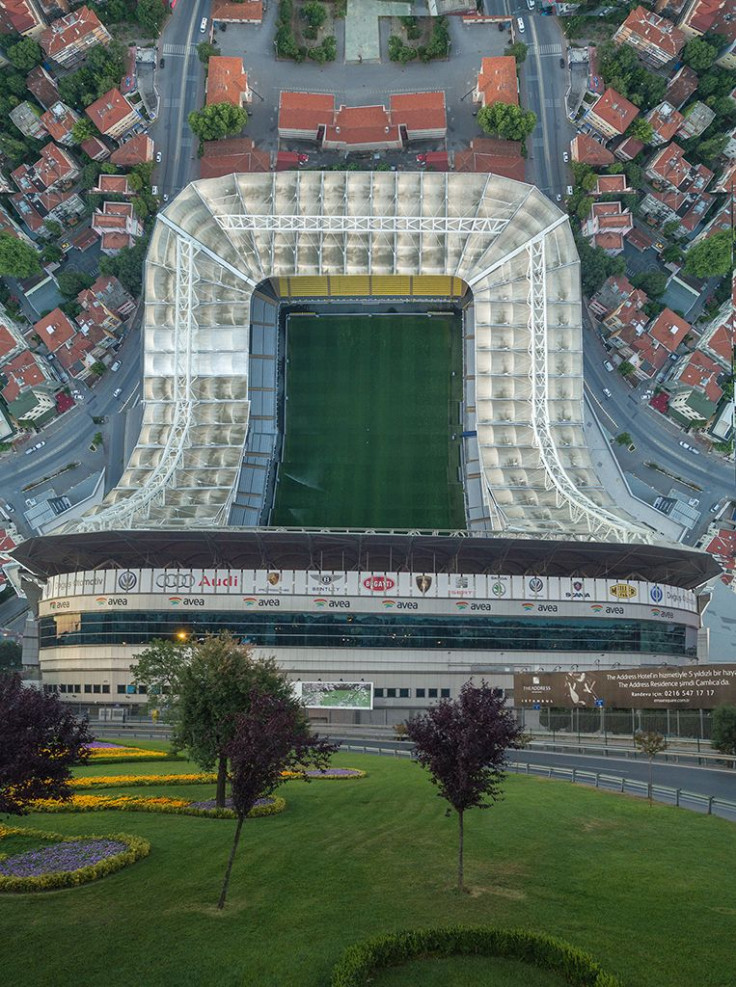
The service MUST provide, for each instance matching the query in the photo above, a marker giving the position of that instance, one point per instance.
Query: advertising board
(335, 695)
(675, 687)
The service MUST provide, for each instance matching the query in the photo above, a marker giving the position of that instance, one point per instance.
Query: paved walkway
(362, 37)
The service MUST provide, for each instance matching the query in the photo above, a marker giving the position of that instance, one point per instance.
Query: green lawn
(649, 892)
(371, 408)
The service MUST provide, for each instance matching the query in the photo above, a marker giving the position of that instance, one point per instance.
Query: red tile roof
(305, 111)
(134, 151)
(611, 185)
(54, 165)
(669, 329)
(18, 16)
(22, 372)
(231, 156)
(356, 125)
(248, 11)
(43, 86)
(587, 150)
(702, 373)
(69, 30)
(419, 111)
(665, 121)
(629, 148)
(8, 342)
(616, 111)
(109, 111)
(654, 31)
(497, 80)
(59, 120)
(486, 155)
(723, 548)
(669, 165)
(681, 86)
(117, 184)
(95, 149)
(54, 329)
(639, 239)
(227, 80)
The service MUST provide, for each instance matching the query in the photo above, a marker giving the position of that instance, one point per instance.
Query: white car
(30, 501)
(565, 156)
(684, 445)
(158, 157)
(608, 365)
(558, 197)
(30, 450)
(607, 392)
(115, 367)
(166, 196)
(40, 445)
(117, 392)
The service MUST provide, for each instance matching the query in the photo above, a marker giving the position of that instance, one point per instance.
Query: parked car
(684, 445)
(161, 63)
(694, 451)
(562, 60)
(10, 509)
(714, 508)
(558, 197)
(158, 157)
(608, 365)
(166, 196)
(565, 156)
(607, 392)
(40, 445)
(31, 501)
(115, 367)
(117, 392)
(693, 501)
(154, 190)
(30, 449)
(569, 190)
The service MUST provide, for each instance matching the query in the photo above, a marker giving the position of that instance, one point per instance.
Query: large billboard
(335, 695)
(675, 687)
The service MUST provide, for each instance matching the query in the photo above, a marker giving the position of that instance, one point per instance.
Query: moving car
(684, 445)
(117, 392)
(40, 445)
(562, 60)
(162, 63)
(158, 157)
(166, 196)
(608, 365)
(607, 392)
(558, 197)
(565, 156)
(520, 23)
(203, 25)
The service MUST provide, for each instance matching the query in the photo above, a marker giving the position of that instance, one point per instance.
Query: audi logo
(175, 580)
(127, 580)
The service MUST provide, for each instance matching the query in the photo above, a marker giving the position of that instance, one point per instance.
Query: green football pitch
(371, 408)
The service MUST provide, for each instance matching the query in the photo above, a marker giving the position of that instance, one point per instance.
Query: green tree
(217, 121)
(205, 51)
(72, 281)
(653, 282)
(626, 369)
(25, 55)
(723, 729)
(51, 253)
(314, 13)
(641, 130)
(672, 253)
(83, 129)
(651, 743)
(510, 122)
(699, 55)
(624, 439)
(711, 256)
(583, 208)
(519, 51)
(151, 15)
(18, 259)
(127, 266)
(710, 149)
(211, 683)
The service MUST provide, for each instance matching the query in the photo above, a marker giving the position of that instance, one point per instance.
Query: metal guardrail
(671, 755)
(706, 804)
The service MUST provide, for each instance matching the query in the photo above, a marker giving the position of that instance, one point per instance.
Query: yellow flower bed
(159, 803)
(127, 752)
(125, 781)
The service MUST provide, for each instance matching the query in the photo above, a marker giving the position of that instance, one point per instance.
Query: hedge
(127, 803)
(137, 848)
(361, 960)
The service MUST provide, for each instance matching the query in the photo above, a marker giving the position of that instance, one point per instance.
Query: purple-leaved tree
(463, 745)
(40, 740)
(270, 737)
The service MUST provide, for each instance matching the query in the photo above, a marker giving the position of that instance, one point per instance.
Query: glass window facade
(370, 630)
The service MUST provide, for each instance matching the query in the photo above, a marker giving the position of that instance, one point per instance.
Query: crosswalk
(178, 49)
(552, 103)
(545, 50)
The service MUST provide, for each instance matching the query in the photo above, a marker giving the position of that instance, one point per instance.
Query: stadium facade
(549, 570)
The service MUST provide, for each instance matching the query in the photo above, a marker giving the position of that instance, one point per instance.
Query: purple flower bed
(212, 803)
(97, 745)
(65, 856)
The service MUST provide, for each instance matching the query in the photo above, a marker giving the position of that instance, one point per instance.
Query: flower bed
(129, 803)
(73, 860)
(134, 781)
(360, 961)
(101, 752)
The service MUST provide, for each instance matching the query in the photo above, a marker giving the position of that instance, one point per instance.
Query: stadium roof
(513, 247)
(345, 551)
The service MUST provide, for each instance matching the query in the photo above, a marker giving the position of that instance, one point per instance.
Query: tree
(205, 51)
(10, 655)
(151, 15)
(463, 745)
(40, 740)
(509, 122)
(51, 254)
(18, 259)
(25, 55)
(269, 738)
(652, 282)
(651, 743)
(711, 256)
(72, 281)
(518, 50)
(625, 368)
(723, 729)
(624, 439)
(217, 121)
(699, 55)
(672, 253)
(314, 13)
(641, 130)
(209, 684)
(83, 129)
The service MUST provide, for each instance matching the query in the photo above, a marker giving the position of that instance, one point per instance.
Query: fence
(688, 724)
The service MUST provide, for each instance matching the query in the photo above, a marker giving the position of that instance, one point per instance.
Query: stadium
(363, 450)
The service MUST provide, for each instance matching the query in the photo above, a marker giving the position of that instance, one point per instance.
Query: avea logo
(101, 601)
(596, 607)
(388, 604)
(175, 601)
(250, 601)
(462, 606)
(320, 602)
(528, 606)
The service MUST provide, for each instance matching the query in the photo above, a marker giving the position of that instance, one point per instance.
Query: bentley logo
(423, 583)
(274, 578)
(324, 578)
(127, 580)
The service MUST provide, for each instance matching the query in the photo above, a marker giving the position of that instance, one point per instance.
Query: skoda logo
(536, 585)
(127, 580)
(498, 589)
(656, 593)
(175, 580)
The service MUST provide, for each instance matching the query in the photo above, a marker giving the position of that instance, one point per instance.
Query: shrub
(359, 961)
(137, 848)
